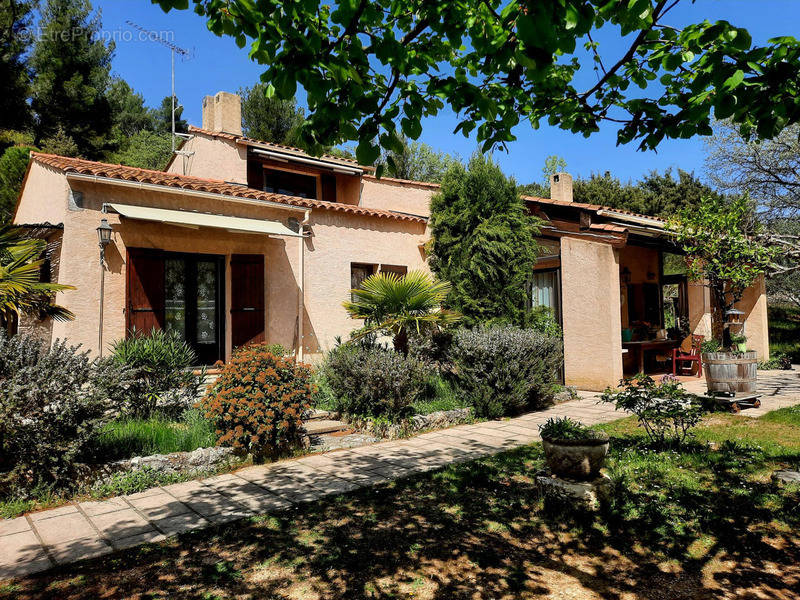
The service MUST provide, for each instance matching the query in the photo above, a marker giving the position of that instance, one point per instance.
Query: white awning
(185, 218)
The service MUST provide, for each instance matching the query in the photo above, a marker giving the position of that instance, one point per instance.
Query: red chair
(680, 358)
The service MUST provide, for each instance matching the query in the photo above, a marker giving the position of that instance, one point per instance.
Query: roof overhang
(196, 220)
(631, 218)
(285, 156)
(167, 189)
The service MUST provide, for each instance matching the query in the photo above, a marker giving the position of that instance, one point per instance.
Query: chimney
(561, 187)
(223, 112)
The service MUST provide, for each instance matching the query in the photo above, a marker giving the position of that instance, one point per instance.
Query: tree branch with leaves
(723, 251)
(374, 70)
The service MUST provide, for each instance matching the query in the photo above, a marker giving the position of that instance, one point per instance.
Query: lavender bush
(504, 370)
(53, 400)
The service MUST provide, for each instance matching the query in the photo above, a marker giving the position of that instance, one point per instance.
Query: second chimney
(223, 112)
(561, 187)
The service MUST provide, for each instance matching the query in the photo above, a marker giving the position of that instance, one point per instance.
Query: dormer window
(290, 184)
(294, 178)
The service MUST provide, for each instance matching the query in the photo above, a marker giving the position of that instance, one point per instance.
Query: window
(358, 273)
(546, 291)
(399, 270)
(290, 184)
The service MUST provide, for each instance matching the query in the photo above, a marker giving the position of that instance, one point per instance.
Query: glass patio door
(192, 303)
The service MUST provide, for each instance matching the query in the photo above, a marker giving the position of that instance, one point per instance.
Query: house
(242, 241)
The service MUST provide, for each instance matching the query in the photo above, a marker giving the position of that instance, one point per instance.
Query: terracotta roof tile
(607, 227)
(592, 207)
(424, 184)
(124, 173)
(280, 147)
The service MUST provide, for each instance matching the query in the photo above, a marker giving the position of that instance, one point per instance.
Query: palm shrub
(21, 291)
(163, 362)
(369, 380)
(504, 370)
(53, 401)
(258, 402)
(398, 305)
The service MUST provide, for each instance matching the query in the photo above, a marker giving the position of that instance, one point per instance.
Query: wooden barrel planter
(731, 372)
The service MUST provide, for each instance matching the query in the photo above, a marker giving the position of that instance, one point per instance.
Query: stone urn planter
(576, 459)
(572, 450)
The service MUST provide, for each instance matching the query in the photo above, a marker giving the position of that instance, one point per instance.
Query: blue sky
(217, 64)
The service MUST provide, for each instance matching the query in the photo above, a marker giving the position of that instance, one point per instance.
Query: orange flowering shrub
(259, 401)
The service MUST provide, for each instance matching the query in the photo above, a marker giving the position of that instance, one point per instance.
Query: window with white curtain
(546, 291)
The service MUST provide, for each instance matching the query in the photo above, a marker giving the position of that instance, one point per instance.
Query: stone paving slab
(22, 554)
(159, 506)
(87, 529)
(121, 524)
(65, 528)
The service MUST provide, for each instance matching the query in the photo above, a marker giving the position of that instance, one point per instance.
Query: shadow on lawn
(476, 530)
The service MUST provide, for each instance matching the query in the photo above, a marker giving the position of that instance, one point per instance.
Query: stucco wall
(337, 241)
(591, 306)
(699, 299)
(754, 305)
(44, 197)
(401, 197)
(213, 158)
(80, 257)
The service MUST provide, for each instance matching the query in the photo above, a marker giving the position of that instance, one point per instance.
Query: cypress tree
(484, 243)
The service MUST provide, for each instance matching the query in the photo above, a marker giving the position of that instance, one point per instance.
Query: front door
(181, 293)
(247, 299)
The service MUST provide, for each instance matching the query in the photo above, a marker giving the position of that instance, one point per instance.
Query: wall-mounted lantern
(103, 239)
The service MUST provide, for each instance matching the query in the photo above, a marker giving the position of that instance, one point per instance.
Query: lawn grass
(701, 522)
(788, 416)
(440, 396)
(129, 437)
(784, 331)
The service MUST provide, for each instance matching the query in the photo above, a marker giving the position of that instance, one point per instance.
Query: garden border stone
(440, 419)
(199, 460)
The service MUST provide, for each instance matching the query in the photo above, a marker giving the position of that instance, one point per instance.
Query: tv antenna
(174, 49)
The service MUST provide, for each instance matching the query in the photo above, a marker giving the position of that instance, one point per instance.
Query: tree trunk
(400, 342)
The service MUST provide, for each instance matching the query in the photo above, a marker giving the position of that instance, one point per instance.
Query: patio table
(640, 347)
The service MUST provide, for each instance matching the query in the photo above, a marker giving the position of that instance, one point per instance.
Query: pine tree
(129, 115)
(15, 17)
(484, 243)
(418, 162)
(145, 149)
(162, 117)
(269, 119)
(71, 65)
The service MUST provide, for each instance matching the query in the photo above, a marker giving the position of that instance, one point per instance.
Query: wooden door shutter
(247, 299)
(329, 187)
(145, 290)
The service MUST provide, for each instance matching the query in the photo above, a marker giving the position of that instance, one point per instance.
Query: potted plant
(573, 450)
(738, 342)
(720, 240)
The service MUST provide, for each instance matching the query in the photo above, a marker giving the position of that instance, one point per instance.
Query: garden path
(80, 530)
